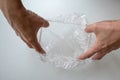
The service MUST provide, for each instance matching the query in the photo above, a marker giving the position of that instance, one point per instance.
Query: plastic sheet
(64, 40)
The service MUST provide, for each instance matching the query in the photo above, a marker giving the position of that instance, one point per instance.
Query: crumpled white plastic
(64, 40)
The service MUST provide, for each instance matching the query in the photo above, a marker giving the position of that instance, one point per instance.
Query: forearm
(11, 4)
(0, 4)
(11, 8)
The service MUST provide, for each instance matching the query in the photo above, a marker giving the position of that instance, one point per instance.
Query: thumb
(46, 23)
(43, 22)
(90, 28)
(40, 22)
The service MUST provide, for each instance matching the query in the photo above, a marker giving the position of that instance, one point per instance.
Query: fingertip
(40, 50)
(45, 24)
(38, 47)
(82, 57)
(90, 28)
(87, 30)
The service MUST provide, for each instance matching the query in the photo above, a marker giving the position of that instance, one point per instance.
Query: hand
(27, 27)
(107, 39)
(25, 23)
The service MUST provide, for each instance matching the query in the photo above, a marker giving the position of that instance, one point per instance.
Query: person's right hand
(25, 23)
(107, 39)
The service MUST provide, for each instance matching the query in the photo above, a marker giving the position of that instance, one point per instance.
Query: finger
(100, 55)
(116, 45)
(45, 24)
(39, 20)
(29, 45)
(90, 28)
(37, 47)
(17, 33)
(42, 22)
(95, 48)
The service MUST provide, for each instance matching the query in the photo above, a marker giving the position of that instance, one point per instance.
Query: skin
(26, 25)
(24, 22)
(107, 39)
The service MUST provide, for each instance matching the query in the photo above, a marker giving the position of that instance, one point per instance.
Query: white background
(18, 62)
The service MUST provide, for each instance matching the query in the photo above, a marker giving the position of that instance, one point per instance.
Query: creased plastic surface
(64, 40)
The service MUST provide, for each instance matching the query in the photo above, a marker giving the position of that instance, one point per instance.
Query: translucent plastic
(65, 40)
